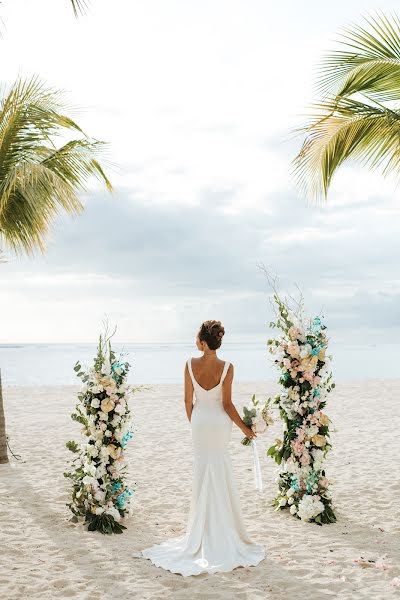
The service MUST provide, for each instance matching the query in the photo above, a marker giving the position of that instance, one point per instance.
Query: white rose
(100, 496)
(100, 471)
(90, 468)
(99, 510)
(108, 433)
(290, 492)
(293, 509)
(119, 409)
(290, 500)
(312, 430)
(88, 480)
(95, 403)
(282, 502)
(309, 507)
(104, 452)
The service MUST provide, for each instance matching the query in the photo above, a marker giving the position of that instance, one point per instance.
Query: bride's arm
(188, 393)
(230, 407)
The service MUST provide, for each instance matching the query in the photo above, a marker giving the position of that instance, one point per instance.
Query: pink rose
(298, 447)
(305, 459)
(293, 349)
(301, 434)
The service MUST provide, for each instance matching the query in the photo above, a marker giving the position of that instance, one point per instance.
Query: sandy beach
(45, 556)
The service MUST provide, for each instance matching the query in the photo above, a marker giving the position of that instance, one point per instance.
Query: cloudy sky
(198, 100)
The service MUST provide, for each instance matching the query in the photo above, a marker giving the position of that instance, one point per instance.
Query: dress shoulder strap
(189, 366)
(224, 372)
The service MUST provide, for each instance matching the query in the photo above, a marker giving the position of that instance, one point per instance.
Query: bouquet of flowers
(300, 354)
(256, 418)
(100, 493)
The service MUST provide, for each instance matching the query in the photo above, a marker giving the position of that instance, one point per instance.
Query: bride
(216, 538)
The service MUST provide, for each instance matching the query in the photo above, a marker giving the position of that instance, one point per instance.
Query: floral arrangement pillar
(300, 354)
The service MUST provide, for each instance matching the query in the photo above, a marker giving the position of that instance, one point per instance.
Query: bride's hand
(249, 433)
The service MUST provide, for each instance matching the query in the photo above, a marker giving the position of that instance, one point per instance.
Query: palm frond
(346, 130)
(358, 116)
(369, 61)
(79, 6)
(37, 179)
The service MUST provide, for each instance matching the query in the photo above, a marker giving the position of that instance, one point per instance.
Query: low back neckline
(200, 386)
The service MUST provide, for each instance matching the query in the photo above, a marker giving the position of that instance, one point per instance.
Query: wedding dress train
(216, 538)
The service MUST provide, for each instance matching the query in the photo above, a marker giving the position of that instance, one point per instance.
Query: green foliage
(327, 516)
(79, 417)
(39, 180)
(103, 523)
(72, 446)
(357, 117)
(275, 452)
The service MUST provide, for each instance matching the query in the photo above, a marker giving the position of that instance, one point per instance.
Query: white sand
(45, 556)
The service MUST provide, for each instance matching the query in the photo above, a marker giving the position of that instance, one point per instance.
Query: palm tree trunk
(3, 439)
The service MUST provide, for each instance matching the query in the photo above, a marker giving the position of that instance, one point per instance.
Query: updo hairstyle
(212, 333)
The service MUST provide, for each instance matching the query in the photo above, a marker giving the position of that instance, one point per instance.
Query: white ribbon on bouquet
(256, 467)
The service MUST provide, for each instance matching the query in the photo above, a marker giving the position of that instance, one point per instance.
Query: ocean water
(52, 364)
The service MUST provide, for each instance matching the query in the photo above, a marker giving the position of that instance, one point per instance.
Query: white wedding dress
(216, 538)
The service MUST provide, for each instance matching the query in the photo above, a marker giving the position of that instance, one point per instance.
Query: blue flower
(128, 436)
